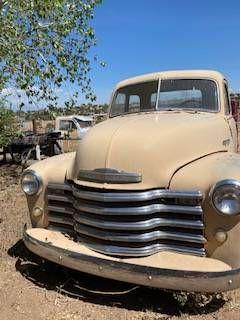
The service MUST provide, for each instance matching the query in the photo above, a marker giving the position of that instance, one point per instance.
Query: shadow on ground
(108, 292)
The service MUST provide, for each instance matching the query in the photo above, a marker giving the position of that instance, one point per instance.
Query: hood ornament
(108, 175)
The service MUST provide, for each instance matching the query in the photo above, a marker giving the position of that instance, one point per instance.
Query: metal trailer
(33, 146)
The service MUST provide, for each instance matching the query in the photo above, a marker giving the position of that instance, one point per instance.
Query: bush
(8, 126)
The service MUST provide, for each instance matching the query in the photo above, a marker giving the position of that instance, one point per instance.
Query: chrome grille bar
(59, 186)
(142, 251)
(56, 197)
(61, 209)
(140, 225)
(143, 237)
(135, 196)
(61, 220)
(140, 210)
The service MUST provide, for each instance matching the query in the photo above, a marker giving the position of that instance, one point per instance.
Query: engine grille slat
(61, 198)
(135, 196)
(141, 210)
(141, 225)
(129, 223)
(59, 186)
(61, 209)
(61, 220)
(143, 237)
(141, 251)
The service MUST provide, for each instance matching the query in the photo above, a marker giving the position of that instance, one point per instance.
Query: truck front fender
(202, 174)
(52, 170)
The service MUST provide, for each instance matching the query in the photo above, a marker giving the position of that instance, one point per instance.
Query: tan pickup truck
(152, 195)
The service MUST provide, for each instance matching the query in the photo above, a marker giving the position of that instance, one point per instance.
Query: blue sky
(140, 36)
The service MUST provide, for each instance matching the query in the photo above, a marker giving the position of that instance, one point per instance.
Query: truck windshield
(198, 94)
(84, 124)
(135, 98)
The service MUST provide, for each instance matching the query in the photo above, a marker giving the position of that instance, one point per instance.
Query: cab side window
(67, 125)
(119, 104)
(226, 100)
(64, 125)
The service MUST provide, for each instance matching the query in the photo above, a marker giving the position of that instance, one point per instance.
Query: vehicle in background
(151, 195)
(61, 136)
(72, 129)
(32, 146)
(73, 126)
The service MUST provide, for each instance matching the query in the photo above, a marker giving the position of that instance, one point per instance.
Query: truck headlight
(31, 182)
(225, 197)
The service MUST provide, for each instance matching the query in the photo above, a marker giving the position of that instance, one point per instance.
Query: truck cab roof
(176, 74)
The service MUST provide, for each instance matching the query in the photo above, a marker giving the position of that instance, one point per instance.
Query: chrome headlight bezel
(227, 183)
(38, 181)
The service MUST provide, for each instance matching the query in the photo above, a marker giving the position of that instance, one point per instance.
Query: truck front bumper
(163, 270)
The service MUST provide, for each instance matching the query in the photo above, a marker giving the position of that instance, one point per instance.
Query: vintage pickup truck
(152, 195)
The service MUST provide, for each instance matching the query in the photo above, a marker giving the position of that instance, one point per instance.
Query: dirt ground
(31, 288)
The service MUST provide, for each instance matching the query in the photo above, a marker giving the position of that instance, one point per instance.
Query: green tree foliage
(84, 109)
(8, 126)
(44, 44)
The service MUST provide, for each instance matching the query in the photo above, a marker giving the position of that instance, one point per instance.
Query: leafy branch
(44, 44)
(8, 125)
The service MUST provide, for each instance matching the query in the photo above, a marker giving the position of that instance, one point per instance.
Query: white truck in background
(46, 140)
(73, 126)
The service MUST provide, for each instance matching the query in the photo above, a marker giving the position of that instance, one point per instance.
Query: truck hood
(154, 145)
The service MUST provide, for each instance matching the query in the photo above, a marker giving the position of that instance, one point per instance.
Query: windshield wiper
(169, 109)
(179, 109)
(190, 110)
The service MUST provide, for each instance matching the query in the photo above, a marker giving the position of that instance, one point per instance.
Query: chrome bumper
(134, 273)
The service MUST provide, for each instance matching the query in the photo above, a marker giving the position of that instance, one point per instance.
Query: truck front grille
(129, 223)
(60, 208)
